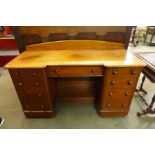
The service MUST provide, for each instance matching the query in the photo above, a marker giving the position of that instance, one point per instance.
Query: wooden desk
(82, 71)
(149, 72)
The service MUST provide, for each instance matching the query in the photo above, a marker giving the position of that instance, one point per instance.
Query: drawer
(28, 80)
(118, 99)
(26, 73)
(112, 106)
(29, 85)
(118, 95)
(121, 83)
(72, 71)
(124, 72)
(37, 101)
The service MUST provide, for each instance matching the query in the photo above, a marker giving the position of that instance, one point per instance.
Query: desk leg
(148, 110)
(141, 86)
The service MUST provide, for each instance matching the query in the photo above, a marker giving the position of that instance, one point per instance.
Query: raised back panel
(77, 45)
(86, 36)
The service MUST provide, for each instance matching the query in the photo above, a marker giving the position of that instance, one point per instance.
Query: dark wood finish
(58, 36)
(116, 99)
(115, 37)
(38, 93)
(32, 88)
(76, 89)
(86, 36)
(127, 36)
(119, 34)
(30, 39)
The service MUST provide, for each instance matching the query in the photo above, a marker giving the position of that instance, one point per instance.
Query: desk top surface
(32, 58)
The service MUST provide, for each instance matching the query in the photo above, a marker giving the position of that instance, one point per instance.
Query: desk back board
(29, 35)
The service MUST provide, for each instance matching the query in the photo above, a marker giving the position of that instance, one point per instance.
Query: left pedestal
(32, 89)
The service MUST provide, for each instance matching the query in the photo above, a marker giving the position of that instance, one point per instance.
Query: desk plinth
(106, 78)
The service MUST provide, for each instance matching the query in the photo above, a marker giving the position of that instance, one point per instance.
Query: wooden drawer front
(122, 83)
(122, 78)
(26, 73)
(33, 102)
(70, 71)
(117, 99)
(28, 80)
(124, 72)
(117, 105)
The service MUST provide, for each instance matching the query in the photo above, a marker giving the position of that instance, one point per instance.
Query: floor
(72, 116)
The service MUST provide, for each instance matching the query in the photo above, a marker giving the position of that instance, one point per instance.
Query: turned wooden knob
(27, 106)
(20, 84)
(37, 83)
(110, 94)
(93, 70)
(130, 82)
(114, 72)
(108, 105)
(23, 95)
(34, 73)
(126, 94)
(133, 72)
(42, 106)
(113, 82)
(124, 105)
(56, 70)
(39, 94)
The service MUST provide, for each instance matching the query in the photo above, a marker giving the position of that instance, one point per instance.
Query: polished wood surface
(76, 45)
(76, 71)
(46, 54)
(117, 90)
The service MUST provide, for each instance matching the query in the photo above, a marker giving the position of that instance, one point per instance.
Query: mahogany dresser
(75, 71)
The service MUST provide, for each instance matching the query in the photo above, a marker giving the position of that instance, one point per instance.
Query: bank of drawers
(31, 88)
(119, 87)
(72, 71)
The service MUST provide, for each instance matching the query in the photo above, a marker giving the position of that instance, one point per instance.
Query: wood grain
(41, 55)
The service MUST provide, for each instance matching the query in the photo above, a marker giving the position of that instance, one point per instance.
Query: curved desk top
(75, 52)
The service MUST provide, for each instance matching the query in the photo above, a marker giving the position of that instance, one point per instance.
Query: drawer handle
(124, 105)
(56, 71)
(20, 84)
(133, 72)
(16, 74)
(23, 95)
(37, 83)
(114, 72)
(110, 94)
(130, 82)
(126, 94)
(27, 106)
(108, 105)
(113, 82)
(93, 70)
(42, 106)
(34, 73)
(39, 94)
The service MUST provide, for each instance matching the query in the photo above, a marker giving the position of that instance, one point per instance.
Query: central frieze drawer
(61, 71)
